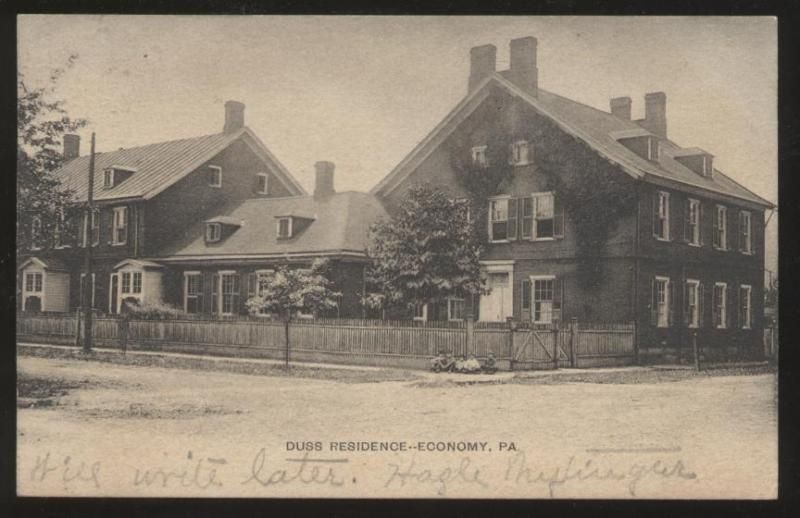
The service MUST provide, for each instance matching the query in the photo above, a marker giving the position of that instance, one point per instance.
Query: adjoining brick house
(190, 222)
(687, 257)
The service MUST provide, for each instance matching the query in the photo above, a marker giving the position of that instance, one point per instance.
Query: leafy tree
(428, 251)
(289, 291)
(41, 124)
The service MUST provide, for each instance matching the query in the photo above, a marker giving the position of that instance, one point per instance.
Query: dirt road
(125, 430)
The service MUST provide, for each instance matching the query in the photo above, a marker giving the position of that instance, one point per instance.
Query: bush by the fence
(151, 310)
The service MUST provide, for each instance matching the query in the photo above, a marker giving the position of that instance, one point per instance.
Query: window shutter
(700, 304)
(714, 306)
(251, 282)
(558, 217)
(512, 218)
(558, 298)
(686, 218)
(733, 312)
(700, 221)
(653, 302)
(715, 228)
(526, 299)
(655, 213)
(214, 293)
(685, 303)
(671, 306)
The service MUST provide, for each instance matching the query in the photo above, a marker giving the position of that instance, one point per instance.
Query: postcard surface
(397, 257)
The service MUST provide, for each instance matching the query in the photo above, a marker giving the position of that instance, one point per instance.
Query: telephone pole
(88, 285)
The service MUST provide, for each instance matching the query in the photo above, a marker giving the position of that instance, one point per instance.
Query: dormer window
(213, 232)
(479, 156)
(214, 176)
(652, 149)
(519, 153)
(697, 160)
(284, 228)
(262, 184)
(108, 179)
(115, 175)
(640, 141)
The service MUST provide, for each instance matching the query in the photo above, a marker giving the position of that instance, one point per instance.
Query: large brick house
(687, 254)
(193, 223)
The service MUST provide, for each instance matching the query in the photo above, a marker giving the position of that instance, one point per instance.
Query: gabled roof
(599, 129)
(340, 226)
(141, 264)
(160, 165)
(50, 264)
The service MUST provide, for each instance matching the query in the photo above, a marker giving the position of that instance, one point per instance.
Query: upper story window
(91, 231)
(213, 232)
(59, 239)
(284, 228)
(36, 232)
(535, 215)
(661, 216)
(214, 176)
(498, 219)
(262, 183)
(520, 153)
(108, 178)
(119, 234)
(745, 232)
(479, 156)
(721, 227)
(692, 218)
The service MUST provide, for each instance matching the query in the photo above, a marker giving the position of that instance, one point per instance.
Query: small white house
(44, 285)
(135, 279)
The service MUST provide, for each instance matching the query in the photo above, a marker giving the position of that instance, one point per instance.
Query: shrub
(150, 310)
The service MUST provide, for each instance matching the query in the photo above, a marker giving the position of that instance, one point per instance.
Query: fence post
(510, 321)
(78, 329)
(555, 344)
(696, 351)
(573, 328)
(469, 335)
(123, 332)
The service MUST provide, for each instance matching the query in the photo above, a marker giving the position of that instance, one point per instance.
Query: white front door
(496, 305)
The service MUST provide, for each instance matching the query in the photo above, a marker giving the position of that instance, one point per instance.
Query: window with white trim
(721, 227)
(91, 232)
(213, 232)
(284, 228)
(262, 183)
(455, 308)
(262, 277)
(519, 153)
(720, 305)
(214, 176)
(229, 293)
(193, 292)
(692, 301)
(119, 234)
(479, 156)
(745, 232)
(544, 215)
(421, 312)
(108, 178)
(33, 282)
(745, 306)
(131, 283)
(543, 299)
(661, 301)
(661, 216)
(36, 232)
(498, 219)
(693, 222)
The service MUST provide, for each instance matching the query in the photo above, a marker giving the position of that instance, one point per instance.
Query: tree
(289, 291)
(428, 251)
(41, 124)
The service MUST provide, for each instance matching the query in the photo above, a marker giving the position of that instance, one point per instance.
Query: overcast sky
(362, 91)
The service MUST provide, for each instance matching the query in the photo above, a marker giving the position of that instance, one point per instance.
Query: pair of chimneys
(655, 112)
(523, 71)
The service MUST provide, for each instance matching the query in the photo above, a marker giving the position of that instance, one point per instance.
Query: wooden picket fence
(354, 341)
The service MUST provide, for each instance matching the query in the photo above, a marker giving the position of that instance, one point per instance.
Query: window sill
(747, 329)
(119, 244)
(662, 239)
(499, 241)
(718, 249)
(696, 245)
(215, 186)
(542, 239)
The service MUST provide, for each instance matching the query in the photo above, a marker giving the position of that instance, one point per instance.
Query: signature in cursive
(440, 478)
(519, 472)
(306, 470)
(70, 471)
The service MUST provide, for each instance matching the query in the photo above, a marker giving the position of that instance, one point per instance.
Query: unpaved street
(125, 430)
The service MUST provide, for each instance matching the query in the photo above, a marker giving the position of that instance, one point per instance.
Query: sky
(362, 91)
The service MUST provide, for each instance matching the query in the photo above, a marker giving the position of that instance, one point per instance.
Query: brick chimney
(323, 185)
(523, 71)
(72, 146)
(482, 63)
(234, 116)
(621, 107)
(655, 113)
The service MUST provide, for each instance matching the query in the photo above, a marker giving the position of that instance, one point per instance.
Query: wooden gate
(538, 346)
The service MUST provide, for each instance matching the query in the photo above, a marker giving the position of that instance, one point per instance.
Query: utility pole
(88, 285)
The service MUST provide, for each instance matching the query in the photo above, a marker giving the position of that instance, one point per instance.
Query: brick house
(192, 223)
(686, 255)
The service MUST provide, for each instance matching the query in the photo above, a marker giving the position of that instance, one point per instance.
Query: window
(91, 232)
(131, 283)
(526, 206)
(33, 282)
(708, 168)
(661, 216)
(498, 219)
(693, 303)
(193, 290)
(745, 232)
(720, 305)
(36, 232)
(284, 228)
(261, 183)
(519, 153)
(661, 302)
(721, 227)
(258, 278)
(544, 210)
(421, 312)
(213, 232)
(652, 148)
(120, 226)
(692, 227)
(108, 178)
(455, 308)
(214, 176)
(479, 156)
(745, 308)
(546, 300)
(58, 230)
(229, 302)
